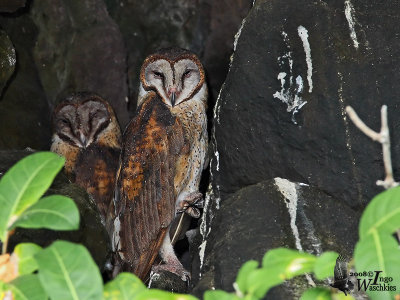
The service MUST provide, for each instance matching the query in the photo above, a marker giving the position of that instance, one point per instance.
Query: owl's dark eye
(64, 121)
(158, 74)
(187, 73)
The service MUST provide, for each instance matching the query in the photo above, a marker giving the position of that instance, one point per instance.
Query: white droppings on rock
(207, 202)
(202, 251)
(299, 83)
(217, 106)
(349, 12)
(289, 94)
(288, 190)
(217, 157)
(11, 58)
(237, 35)
(153, 276)
(303, 34)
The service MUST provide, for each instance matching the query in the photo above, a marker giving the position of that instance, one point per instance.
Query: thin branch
(361, 125)
(381, 137)
(178, 229)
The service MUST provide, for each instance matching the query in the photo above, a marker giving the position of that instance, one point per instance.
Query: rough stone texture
(80, 48)
(24, 112)
(7, 59)
(317, 145)
(205, 27)
(10, 6)
(258, 218)
(91, 233)
(169, 282)
(246, 224)
(278, 117)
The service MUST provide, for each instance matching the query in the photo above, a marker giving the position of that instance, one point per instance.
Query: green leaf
(219, 295)
(288, 263)
(155, 294)
(53, 212)
(316, 294)
(378, 252)
(245, 270)
(325, 265)
(67, 271)
(24, 184)
(124, 286)
(341, 296)
(261, 280)
(27, 287)
(25, 253)
(324, 294)
(382, 213)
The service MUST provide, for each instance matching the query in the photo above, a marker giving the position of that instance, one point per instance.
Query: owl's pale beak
(83, 140)
(172, 99)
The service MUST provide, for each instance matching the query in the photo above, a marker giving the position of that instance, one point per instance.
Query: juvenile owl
(87, 134)
(163, 155)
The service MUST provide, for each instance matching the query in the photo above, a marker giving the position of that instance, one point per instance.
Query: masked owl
(162, 158)
(87, 134)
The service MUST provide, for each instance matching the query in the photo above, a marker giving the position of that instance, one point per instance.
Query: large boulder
(80, 48)
(271, 214)
(205, 27)
(8, 59)
(91, 232)
(24, 111)
(11, 6)
(281, 113)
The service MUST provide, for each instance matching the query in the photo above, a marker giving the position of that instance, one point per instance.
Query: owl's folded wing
(146, 203)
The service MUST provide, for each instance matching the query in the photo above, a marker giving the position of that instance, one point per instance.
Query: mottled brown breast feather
(154, 140)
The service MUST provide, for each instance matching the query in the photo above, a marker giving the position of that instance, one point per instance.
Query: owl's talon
(177, 270)
(191, 205)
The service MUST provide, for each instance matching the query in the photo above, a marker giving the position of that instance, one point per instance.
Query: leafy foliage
(125, 286)
(377, 250)
(323, 294)
(67, 271)
(24, 184)
(53, 212)
(25, 257)
(25, 287)
(325, 265)
(382, 214)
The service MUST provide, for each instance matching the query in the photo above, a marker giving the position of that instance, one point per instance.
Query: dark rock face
(281, 113)
(24, 111)
(205, 27)
(168, 281)
(309, 139)
(91, 233)
(99, 45)
(80, 48)
(10, 6)
(7, 59)
(246, 224)
(271, 214)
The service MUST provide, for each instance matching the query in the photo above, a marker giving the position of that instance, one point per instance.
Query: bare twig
(178, 229)
(381, 137)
